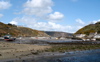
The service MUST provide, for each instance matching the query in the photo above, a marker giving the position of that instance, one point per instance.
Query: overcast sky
(50, 15)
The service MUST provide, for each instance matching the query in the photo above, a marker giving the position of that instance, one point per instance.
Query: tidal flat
(49, 52)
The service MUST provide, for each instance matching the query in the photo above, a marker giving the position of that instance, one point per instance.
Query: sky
(50, 15)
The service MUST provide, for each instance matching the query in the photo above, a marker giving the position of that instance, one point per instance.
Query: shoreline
(41, 57)
(16, 52)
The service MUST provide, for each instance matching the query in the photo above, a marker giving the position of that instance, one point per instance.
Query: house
(97, 36)
(80, 35)
(91, 35)
(62, 38)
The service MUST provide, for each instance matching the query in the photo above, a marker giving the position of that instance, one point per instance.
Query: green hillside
(91, 28)
(19, 31)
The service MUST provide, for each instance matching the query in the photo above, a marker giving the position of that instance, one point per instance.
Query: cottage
(97, 36)
(91, 35)
(80, 35)
(62, 38)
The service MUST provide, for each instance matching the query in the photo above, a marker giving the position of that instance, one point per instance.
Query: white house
(62, 38)
(80, 35)
(91, 35)
(97, 36)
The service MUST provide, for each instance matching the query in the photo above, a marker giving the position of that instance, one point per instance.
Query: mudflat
(12, 50)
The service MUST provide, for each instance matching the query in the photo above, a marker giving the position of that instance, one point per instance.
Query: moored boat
(9, 38)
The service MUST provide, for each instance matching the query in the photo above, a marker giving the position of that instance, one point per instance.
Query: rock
(0, 54)
(34, 53)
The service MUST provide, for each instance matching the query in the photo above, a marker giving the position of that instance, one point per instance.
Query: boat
(9, 38)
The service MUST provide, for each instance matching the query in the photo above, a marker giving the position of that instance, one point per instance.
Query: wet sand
(12, 50)
(74, 56)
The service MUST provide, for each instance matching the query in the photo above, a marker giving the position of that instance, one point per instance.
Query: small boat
(9, 38)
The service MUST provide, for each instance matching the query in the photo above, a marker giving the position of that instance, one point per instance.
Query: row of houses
(40, 38)
(92, 36)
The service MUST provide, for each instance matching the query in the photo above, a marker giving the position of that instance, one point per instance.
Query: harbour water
(75, 56)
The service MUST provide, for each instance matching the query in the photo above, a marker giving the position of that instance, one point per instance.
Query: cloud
(50, 26)
(38, 7)
(1, 15)
(75, 28)
(80, 21)
(95, 21)
(4, 5)
(13, 22)
(46, 26)
(31, 22)
(79, 24)
(34, 10)
(42, 10)
(25, 20)
(56, 16)
(79, 27)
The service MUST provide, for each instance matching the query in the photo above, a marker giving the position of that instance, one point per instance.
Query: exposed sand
(12, 50)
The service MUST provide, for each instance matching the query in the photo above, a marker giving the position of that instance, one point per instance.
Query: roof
(7, 35)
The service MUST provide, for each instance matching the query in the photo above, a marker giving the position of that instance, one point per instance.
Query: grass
(19, 31)
(66, 48)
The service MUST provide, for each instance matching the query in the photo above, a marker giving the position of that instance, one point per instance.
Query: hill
(19, 31)
(58, 34)
(91, 28)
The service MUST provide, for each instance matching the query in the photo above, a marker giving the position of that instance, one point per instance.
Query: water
(82, 56)
(66, 40)
(77, 56)
(30, 41)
